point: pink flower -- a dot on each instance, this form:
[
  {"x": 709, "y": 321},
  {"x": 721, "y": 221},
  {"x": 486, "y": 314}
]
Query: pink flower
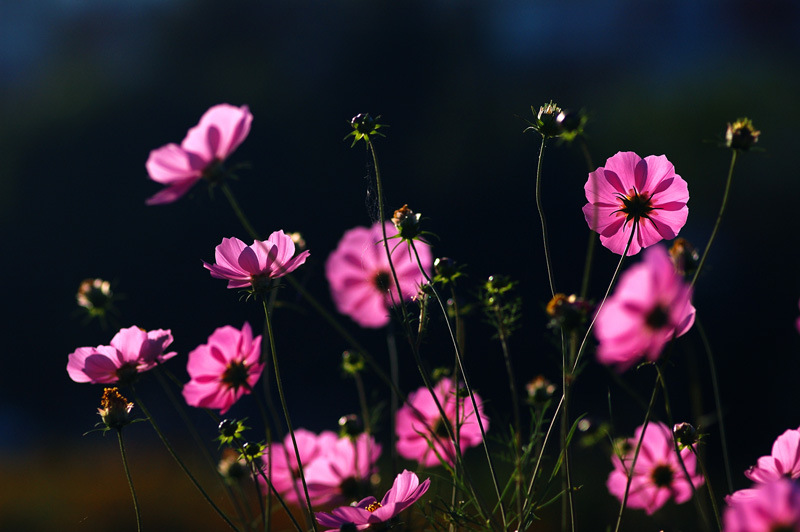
[
  {"x": 132, "y": 351},
  {"x": 649, "y": 306},
  {"x": 658, "y": 475},
  {"x": 421, "y": 433},
  {"x": 770, "y": 507},
  {"x": 361, "y": 281},
  {"x": 645, "y": 196},
  {"x": 255, "y": 265},
  {"x": 224, "y": 369},
  {"x": 221, "y": 130},
  {"x": 283, "y": 471},
  {"x": 784, "y": 461},
  {"x": 405, "y": 491},
  {"x": 343, "y": 469}
]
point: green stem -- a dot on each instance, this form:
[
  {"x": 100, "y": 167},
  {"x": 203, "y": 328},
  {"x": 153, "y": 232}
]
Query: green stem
[
  {"x": 183, "y": 467},
  {"x": 279, "y": 384},
  {"x": 130, "y": 481},
  {"x": 542, "y": 219},
  {"x": 719, "y": 219}
]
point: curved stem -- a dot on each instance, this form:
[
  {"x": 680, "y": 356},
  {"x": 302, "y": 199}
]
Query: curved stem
[
  {"x": 542, "y": 219},
  {"x": 719, "y": 219},
  {"x": 130, "y": 481},
  {"x": 180, "y": 462},
  {"x": 279, "y": 385}
]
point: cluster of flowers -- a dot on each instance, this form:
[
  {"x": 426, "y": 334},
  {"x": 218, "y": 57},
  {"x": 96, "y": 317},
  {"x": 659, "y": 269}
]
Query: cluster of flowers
[{"x": 633, "y": 204}]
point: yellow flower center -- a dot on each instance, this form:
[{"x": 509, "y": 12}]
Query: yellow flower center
[{"x": 372, "y": 507}]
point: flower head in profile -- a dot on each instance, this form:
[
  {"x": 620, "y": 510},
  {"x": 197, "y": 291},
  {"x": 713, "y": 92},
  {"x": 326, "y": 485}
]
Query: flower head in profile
[
  {"x": 206, "y": 146},
  {"x": 770, "y": 507},
  {"x": 783, "y": 462},
  {"x": 421, "y": 434},
  {"x": 132, "y": 351},
  {"x": 224, "y": 369},
  {"x": 256, "y": 264},
  {"x": 658, "y": 475},
  {"x": 405, "y": 491},
  {"x": 650, "y": 305},
  {"x": 628, "y": 196},
  {"x": 361, "y": 280}
]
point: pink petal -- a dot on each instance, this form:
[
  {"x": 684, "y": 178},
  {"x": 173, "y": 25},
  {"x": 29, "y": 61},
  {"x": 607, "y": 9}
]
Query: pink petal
[{"x": 220, "y": 131}]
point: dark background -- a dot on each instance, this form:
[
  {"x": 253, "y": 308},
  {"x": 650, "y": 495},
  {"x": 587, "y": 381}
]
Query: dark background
[{"x": 89, "y": 88}]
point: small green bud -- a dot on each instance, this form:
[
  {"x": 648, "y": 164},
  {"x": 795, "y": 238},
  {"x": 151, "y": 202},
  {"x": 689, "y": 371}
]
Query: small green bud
[
  {"x": 407, "y": 223},
  {"x": 350, "y": 426},
  {"x": 364, "y": 126},
  {"x": 540, "y": 391},
  {"x": 685, "y": 434},
  {"x": 352, "y": 362}
]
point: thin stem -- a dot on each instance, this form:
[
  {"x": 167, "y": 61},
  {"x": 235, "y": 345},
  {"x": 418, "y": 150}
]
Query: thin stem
[
  {"x": 130, "y": 481},
  {"x": 590, "y": 247},
  {"x": 238, "y": 210},
  {"x": 279, "y": 383},
  {"x": 568, "y": 506},
  {"x": 710, "y": 489},
  {"x": 719, "y": 219},
  {"x": 717, "y": 402},
  {"x": 545, "y": 240},
  {"x": 180, "y": 462}
]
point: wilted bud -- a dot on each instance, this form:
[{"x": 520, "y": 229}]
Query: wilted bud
[
  {"x": 407, "y": 223},
  {"x": 363, "y": 127},
  {"x": 540, "y": 391},
  {"x": 350, "y": 426},
  {"x": 568, "y": 312},
  {"x": 684, "y": 257},
  {"x": 96, "y": 297},
  {"x": 741, "y": 135},
  {"x": 685, "y": 434},
  {"x": 231, "y": 468},
  {"x": 352, "y": 362},
  {"x": 114, "y": 409}
]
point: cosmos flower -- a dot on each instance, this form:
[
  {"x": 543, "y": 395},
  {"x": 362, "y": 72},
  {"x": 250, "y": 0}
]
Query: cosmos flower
[
  {"x": 770, "y": 507},
  {"x": 649, "y": 306},
  {"x": 783, "y": 462},
  {"x": 256, "y": 264},
  {"x": 405, "y": 491},
  {"x": 658, "y": 475},
  {"x": 631, "y": 194},
  {"x": 280, "y": 461},
  {"x": 206, "y": 146},
  {"x": 224, "y": 369},
  {"x": 360, "y": 278},
  {"x": 421, "y": 433},
  {"x": 132, "y": 351}
]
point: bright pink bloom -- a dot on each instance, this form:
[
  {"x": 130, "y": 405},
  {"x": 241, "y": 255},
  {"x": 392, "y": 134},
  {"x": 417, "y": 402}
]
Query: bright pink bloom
[
  {"x": 224, "y": 369},
  {"x": 361, "y": 280},
  {"x": 629, "y": 193},
  {"x": 658, "y": 475},
  {"x": 256, "y": 264},
  {"x": 405, "y": 491},
  {"x": 132, "y": 351},
  {"x": 421, "y": 433},
  {"x": 770, "y": 507},
  {"x": 206, "y": 146},
  {"x": 285, "y": 473},
  {"x": 650, "y": 305},
  {"x": 336, "y": 469},
  {"x": 784, "y": 461}
]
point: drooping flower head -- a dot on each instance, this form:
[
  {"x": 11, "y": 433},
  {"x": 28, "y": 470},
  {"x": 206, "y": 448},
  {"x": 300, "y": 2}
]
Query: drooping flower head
[
  {"x": 256, "y": 264},
  {"x": 206, "y": 146},
  {"x": 421, "y": 433},
  {"x": 658, "y": 476},
  {"x": 405, "y": 491},
  {"x": 224, "y": 369},
  {"x": 770, "y": 507},
  {"x": 634, "y": 195},
  {"x": 783, "y": 462},
  {"x": 361, "y": 280},
  {"x": 650, "y": 305},
  {"x": 132, "y": 351}
]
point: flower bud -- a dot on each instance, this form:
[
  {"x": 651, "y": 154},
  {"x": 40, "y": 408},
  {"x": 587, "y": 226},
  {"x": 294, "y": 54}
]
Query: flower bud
[
  {"x": 231, "y": 468},
  {"x": 407, "y": 223},
  {"x": 741, "y": 135},
  {"x": 685, "y": 434},
  {"x": 115, "y": 409},
  {"x": 364, "y": 126},
  {"x": 540, "y": 390},
  {"x": 252, "y": 450},
  {"x": 568, "y": 312},
  {"x": 352, "y": 362},
  {"x": 684, "y": 256},
  {"x": 545, "y": 121},
  {"x": 350, "y": 426}
]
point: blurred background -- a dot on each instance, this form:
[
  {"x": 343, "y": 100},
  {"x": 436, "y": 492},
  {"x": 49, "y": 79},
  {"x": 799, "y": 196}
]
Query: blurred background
[{"x": 90, "y": 87}]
